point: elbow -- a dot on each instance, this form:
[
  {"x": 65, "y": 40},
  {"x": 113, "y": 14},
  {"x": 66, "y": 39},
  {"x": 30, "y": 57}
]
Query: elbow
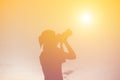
[{"x": 73, "y": 57}]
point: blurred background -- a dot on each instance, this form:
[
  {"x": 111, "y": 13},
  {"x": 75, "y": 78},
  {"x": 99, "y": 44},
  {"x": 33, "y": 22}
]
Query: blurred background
[{"x": 96, "y": 37}]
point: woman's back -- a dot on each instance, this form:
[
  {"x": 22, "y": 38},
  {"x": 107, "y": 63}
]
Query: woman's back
[{"x": 52, "y": 64}]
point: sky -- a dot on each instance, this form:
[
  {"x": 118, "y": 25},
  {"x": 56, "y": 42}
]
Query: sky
[{"x": 96, "y": 37}]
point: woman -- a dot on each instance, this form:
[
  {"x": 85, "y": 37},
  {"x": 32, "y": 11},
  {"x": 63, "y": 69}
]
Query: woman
[{"x": 52, "y": 56}]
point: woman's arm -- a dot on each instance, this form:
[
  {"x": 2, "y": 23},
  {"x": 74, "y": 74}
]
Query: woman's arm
[{"x": 71, "y": 53}]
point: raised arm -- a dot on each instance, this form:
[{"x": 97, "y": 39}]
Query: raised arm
[{"x": 70, "y": 54}]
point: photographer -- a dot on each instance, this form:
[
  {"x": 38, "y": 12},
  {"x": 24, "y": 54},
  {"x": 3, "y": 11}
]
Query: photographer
[{"x": 52, "y": 56}]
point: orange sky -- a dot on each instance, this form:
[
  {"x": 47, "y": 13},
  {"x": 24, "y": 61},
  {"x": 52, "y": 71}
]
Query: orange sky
[{"x": 97, "y": 45}]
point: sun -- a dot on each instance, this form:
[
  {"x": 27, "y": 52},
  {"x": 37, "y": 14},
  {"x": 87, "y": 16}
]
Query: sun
[{"x": 86, "y": 18}]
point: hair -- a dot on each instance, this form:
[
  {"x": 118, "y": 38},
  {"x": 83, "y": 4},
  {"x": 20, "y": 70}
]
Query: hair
[{"x": 46, "y": 37}]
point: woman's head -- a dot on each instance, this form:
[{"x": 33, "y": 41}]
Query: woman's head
[{"x": 48, "y": 38}]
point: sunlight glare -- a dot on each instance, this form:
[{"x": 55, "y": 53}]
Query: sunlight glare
[{"x": 86, "y": 18}]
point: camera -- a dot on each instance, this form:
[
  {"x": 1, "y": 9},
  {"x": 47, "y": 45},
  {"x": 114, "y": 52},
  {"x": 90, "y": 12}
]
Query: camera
[{"x": 63, "y": 37}]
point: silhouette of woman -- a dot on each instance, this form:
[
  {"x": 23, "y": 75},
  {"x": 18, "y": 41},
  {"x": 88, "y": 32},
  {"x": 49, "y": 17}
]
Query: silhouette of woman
[{"x": 52, "y": 56}]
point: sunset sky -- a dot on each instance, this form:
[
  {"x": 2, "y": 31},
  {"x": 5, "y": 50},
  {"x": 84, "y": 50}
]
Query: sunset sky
[{"x": 96, "y": 37}]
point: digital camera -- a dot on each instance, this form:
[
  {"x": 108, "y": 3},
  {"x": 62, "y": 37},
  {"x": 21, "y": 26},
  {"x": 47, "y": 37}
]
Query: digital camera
[{"x": 63, "y": 37}]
